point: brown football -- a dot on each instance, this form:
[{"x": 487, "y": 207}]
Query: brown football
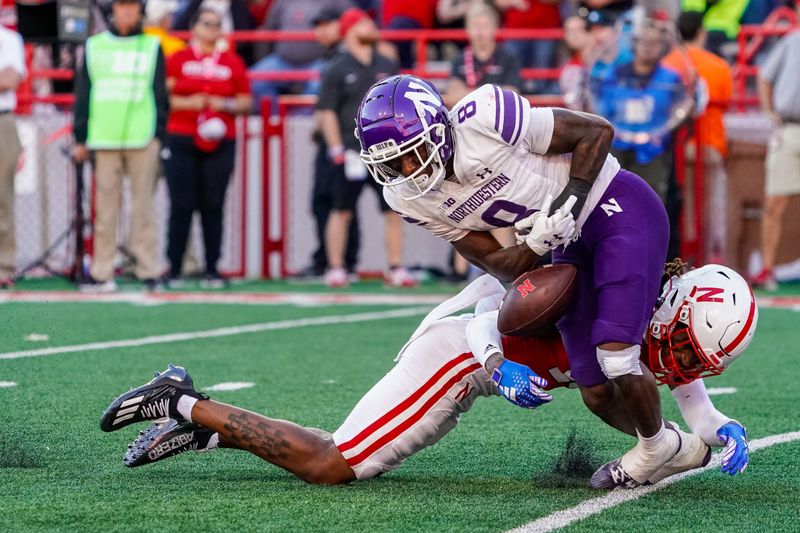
[{"x": 536, "y": 300}]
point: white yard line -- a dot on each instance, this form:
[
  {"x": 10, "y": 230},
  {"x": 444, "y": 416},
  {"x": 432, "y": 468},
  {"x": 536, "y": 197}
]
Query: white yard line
[
  {"x": 595, "y": 506},
  {"x": 218, "y": 332},
  {"x": 229, "y": 386},
  {"x": 713, "y": 391},
  {"x": 7, "y": 384},
  {"x": 224, "y": 298}
]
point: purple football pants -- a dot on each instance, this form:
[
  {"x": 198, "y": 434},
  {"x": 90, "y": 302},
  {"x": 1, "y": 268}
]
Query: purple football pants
[{"x": 620, "y": 260}]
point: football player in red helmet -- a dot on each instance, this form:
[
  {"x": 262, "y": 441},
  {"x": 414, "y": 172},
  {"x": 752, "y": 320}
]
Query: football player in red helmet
[{"x": 446, "y": 365}]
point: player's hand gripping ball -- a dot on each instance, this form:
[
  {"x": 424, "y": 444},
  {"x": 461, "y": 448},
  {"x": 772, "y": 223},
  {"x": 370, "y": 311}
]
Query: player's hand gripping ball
[
  {"x": 536, "y": 301},
  {"x": 520, "y": 385},
  {"x": 543, "y": 232}
]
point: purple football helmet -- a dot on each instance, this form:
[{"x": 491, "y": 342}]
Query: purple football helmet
[{"x": 399, "y": 115}]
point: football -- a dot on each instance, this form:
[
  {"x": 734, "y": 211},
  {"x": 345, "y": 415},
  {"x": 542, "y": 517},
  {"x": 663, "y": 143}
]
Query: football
[{"x": 536, "y": 300}]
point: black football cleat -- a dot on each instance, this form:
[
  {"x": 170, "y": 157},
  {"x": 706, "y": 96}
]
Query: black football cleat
[
  {"x": 156, "y": 399},
  {"x": 166, "y": 439},
  {"x": 611, "y": 476}
]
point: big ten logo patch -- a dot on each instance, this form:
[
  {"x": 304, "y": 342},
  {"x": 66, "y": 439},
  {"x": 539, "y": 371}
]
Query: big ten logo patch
[
  {"x": 526, "y": 287},
  {"x": 447, "y": 204}
]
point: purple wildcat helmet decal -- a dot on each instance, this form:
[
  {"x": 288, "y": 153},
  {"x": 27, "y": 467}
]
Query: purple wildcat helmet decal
[{"x": 400, "y": 115}]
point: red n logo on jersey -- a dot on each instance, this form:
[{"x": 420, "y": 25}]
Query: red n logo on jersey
[
  {"x": 526, "y": 288},
  {"x": 708, "y": 294}
]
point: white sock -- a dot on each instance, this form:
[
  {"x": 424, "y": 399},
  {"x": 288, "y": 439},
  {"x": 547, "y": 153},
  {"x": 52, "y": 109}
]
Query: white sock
[
  {"x": 650, "y": 454},
  {"x": 185, "y": 406}
]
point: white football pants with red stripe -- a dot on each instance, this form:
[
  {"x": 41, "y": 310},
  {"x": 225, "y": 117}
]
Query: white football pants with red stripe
[{"x": 417, "y": 403}]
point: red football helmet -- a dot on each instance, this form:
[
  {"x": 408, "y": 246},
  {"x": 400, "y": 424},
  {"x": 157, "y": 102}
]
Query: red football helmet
[{"x": 704, "y": 319}]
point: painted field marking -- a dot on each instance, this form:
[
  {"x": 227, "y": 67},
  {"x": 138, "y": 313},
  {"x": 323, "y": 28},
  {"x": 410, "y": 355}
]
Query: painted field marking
[
  {"x": 229, "y": 386},
  {"x": 219, "y": 332},
  {"x": 721, "y": 390},
  {"x": 225, "y": 298},
  {"x": 7, "y": 384},
  {"x": 595, "y": 506}
]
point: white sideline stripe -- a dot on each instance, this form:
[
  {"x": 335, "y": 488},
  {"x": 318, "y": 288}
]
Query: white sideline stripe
[
  {"x": 229, "y": 386},
  {"x": 218, "y": 332},
  {"x": 7, "y": 384},
  {"x": 595, "y": 506},
  {"x": 721, "y": 390},
  {"x": 222, "y": 298}
]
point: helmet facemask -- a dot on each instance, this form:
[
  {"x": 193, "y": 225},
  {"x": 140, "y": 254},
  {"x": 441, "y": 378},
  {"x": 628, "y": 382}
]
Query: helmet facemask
[
  {"x": 383, "y": 160},
  {"x": 675, "y": 356}
]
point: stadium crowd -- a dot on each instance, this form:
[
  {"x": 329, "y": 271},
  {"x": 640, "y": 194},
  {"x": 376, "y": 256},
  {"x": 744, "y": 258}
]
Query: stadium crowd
[{"x": 614, "y": 56}]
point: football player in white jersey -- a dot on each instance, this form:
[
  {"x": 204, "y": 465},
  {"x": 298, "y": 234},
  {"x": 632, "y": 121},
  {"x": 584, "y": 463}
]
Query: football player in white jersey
[
  {"x": 494, "y": 161},
  {"x": 442, "y": 369}
]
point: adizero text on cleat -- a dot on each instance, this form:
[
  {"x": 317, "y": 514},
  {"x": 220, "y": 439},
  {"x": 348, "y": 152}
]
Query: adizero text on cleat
[
  {"x": 166, "y": 439},
  {"x": 156, "y": 399}
]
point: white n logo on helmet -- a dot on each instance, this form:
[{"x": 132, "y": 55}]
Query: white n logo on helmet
[{"x": 424, "y": 101}]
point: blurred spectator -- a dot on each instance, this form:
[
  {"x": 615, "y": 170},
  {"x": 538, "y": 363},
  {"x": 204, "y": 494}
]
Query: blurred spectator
[
  {"x": 757, "y": 11},
  {"x": 12, "y": 72},
  {"x": 407, "y": 15},
  {"x": 326, "y": 29},
  {"x": 258, "y": 10},
  {"x": 721, "y": 20},
  {"x": 208, "y": 88},
  {"x": 536, "y": 53},
  {"x": 345, "y": 80},
  {"x": 483, "y": 61},
  {"x": 610, "y": 8},
  {"x": 778, "y": 87},
  {"x": 717, "y": 80},
  {"x": 293, "y": 15},
  {"x": 603, "y": 51},
  {"x": 124, "y": 125},
  {"x": 638, "y": 99},
  {"x": 235, "y": 15},
  {"x": 573, "y": 78},
  {"x": 158, "y": 21},
  {"x": 451, "y": 13}
]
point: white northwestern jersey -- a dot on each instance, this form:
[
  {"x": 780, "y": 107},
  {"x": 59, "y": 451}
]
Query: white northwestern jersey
[{"x": 503, "y": 174}]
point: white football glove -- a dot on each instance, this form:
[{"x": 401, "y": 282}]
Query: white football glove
[{"x": 543, "y": 232}]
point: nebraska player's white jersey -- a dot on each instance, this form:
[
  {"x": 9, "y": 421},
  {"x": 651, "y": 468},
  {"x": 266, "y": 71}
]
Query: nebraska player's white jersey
[{"x": 503, "y": 174}]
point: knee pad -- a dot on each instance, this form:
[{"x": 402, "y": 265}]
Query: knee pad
[{"x": 620, "y": 363}]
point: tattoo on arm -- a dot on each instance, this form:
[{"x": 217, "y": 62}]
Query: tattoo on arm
[{"x": 254, "y": 434}]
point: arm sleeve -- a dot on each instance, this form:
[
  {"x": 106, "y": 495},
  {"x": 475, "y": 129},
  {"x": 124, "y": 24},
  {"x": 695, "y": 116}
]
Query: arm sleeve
[
  {"x": 698, "y": 411},
  {"x": 161, "y": 95},
  {"x": 80, "y": 123},
  {"x": 483, "y": 338}
]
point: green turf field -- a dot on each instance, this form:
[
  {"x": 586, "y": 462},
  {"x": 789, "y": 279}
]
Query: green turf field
[{"x": 503, "y": 467}]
